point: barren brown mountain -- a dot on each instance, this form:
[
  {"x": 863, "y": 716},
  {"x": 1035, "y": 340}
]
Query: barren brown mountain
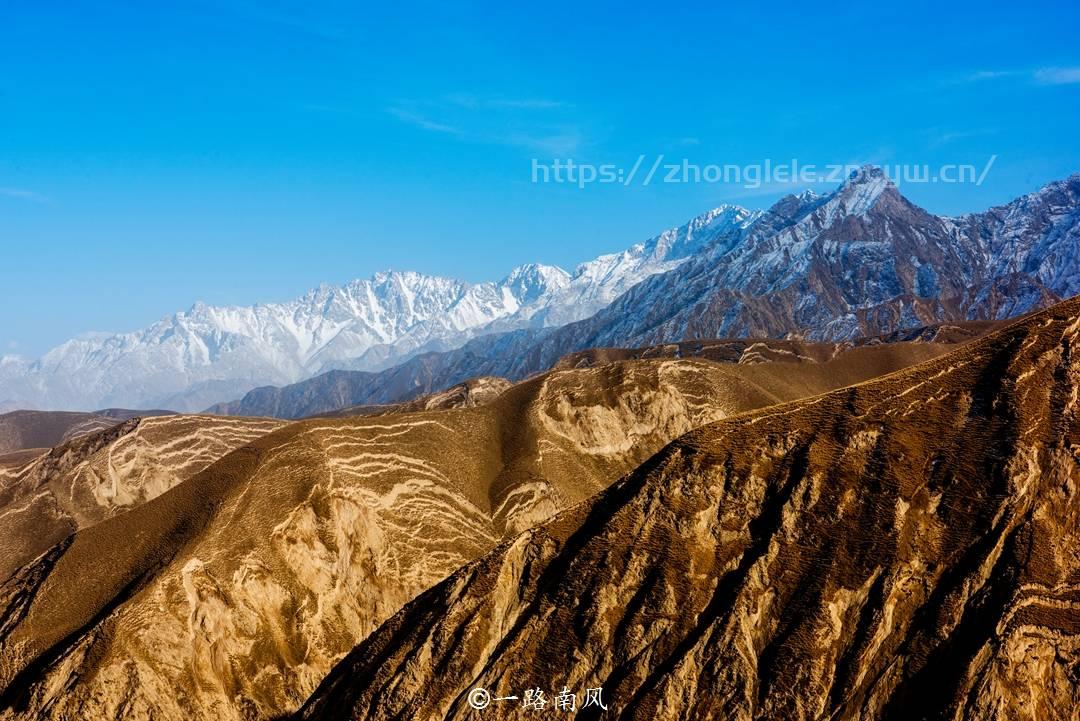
[
  {"x": 907, "y": 548},
  {"x": 231, "y": 595},
  {"x": 473, "y": 392},
  {"x": 755, "y": 350},
  {"x": 45, "y": 496},
  {"x": 20, "y": 430}
]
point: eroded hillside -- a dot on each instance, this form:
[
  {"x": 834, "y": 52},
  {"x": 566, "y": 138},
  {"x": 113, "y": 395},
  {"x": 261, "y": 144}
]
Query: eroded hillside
[
  {"x": 46, "y": 496},
  {"x": 233, "y": 594},
  {"x": 902, "y": 549}
]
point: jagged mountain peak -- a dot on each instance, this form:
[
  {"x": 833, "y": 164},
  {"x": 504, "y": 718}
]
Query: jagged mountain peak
[
  {"x": 531, "y": 281},
  {"x": 537, "y": 273},
  {"x": 861, "y": 190},
  {"x": 866, "y": 173},
  {"x": 730, "y": 221}
]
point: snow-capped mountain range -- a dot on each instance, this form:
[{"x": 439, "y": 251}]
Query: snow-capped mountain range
[
  {"x": 859, "y": 261},
  {"x": 193, "y": 358}
]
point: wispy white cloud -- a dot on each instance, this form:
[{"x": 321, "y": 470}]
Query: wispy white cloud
[
  {"x": 558, "y": 143},
  {"x": 533, "y": 123},
  {"x": 421, "y": 121},
  {"x": 1057, "y": 76},
  {"x": 981, "y": 75},
  {"x": 22, "y": 194},
  {"x": 465, "y": 100},
  {"x": 1038, "y": 76},
  {"x": 946, "y": 137},
  {"x": 297, "y": 20}
]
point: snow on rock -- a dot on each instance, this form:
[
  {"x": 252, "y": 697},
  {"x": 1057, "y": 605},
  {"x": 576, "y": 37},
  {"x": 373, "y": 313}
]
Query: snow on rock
[{"x": 190, "y": 359}]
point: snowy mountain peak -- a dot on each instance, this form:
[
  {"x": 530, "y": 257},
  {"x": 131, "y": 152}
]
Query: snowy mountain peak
[
  {"x": 719, "y": 226},
  {"x": 867, "y": 173},
  {"x": 531, "y": 281},
  {"x": 860, "y": 192}
]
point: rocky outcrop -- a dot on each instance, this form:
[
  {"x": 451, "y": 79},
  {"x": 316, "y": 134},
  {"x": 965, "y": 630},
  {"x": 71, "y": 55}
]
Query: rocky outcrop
[{"x": 900, "y": 549}]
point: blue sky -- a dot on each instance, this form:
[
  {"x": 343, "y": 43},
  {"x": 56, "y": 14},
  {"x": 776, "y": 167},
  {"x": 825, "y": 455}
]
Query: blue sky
[{"x": 153, "y": 154}]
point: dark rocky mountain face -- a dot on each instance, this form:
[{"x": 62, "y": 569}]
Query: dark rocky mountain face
[
  {"x": 862, "y": 261},
  {"x": 901, "y": 549}
]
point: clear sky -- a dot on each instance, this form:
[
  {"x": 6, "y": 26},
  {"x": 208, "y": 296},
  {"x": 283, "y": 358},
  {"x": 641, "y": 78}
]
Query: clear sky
[{"x": 154, "y": 154}]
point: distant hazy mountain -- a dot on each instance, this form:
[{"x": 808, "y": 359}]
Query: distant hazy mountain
[
  {"x": 190, "y": 359},
  {"x": 860, "y": 261}
]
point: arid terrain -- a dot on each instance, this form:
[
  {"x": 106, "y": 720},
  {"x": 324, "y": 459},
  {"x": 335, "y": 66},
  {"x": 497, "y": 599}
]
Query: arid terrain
[
  {"x": 905, "y": 548},
  {"x": 21, "y": 429},
  {"x": 253, "y": 555},
  {"x": 534, "y": 361},
  {"x": 46, "y": 495}
]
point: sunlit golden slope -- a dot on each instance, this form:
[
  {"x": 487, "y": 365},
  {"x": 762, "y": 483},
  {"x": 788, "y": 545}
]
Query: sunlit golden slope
[
  {"x": 46, "y": 496},
  {"x": 231, "y": 595},
  {"x": 907, "y": 548}
]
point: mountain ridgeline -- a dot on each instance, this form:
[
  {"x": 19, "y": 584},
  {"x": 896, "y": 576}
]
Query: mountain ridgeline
[
  {"x": 192, "y": 359},
  {"x": 861, "y": 261}
]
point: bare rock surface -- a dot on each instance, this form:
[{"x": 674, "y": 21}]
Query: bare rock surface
[
  {"x": 232, "y": 594},
  {"x": 905, "y": 548}
]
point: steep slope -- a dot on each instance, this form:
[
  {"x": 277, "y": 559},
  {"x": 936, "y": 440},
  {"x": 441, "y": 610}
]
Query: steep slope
[
  {"x": 901, "y": 549},
  {"x": 191, "y": 359},
  {"x": 46, "y": 496},
  {"x": 232, "y": 595}
]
